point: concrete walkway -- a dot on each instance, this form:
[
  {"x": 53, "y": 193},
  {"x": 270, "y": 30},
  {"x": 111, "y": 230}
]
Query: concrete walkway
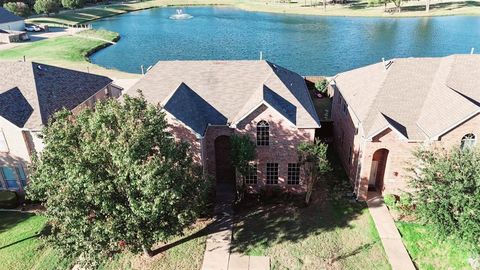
[
  {"x": 217, "y": 252},
  {"x": 392, "y": 241}
]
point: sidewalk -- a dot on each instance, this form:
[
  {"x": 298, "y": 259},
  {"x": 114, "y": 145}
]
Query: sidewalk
[
  {"x": 392, "y": 241},
  {"x": 217, "y": 252}
]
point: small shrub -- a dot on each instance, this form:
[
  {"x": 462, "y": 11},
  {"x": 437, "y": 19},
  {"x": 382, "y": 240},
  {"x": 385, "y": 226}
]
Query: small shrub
[
  {"x": 321, "y": 86},
  {"x": 8, "y": 199},
  {"x": 390, "y": 200}
]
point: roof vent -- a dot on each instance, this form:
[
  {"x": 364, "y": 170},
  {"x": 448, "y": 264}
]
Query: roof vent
[
  {"x": 41, "y": 68},
  {"x": 386, "y": 64}
]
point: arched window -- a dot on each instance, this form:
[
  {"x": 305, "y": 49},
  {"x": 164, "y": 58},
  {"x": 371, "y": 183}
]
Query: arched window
[
  {"x": 468, "y": 141},
  {"x": 263, "y": 133}
]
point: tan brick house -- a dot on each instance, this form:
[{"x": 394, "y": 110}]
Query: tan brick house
[
  {"x": 29, "y": 94},
  {"x": 208, "y": 101},
  {"x": 384, "y": 111}
]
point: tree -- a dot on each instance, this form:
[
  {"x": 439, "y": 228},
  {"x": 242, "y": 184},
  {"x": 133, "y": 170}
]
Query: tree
[
  {"x": 73, "y": 4},
  {"x": 242, "y": 153},
  {"x": 447, "y": 191},
  {"x": 313, "y": 158},
  {"x": 47, "y": 6},
  {"x": 18, "y": 8},
  {"x": 113, "y": 179}
]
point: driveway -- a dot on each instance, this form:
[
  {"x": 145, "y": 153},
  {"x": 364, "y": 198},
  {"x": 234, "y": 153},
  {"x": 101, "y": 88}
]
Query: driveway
[{"x": 36, "y": 36}]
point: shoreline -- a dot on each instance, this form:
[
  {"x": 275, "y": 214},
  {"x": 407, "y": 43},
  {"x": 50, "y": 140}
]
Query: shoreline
[{"x": 74, "y": 17}]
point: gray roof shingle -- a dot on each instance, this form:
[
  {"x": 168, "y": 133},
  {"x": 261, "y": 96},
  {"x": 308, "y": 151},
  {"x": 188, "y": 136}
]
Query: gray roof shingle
[
  {"x": 232, "y": 88},
  {"x": 419, "y": 97},
  {"x": 31, "y": 92},
  {"x": 6, "y": 16}
]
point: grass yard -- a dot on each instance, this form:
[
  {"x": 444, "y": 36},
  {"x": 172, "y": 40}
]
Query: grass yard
[
  {"x": 428, "y": 251},
  {"x": 69, "y": 51},
  {"x": 74, "y": 48},
  {"x": 20, "y": 248},
  {"x": 331, "y": 233}
]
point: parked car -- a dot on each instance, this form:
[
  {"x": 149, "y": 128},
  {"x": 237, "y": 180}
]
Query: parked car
[{"x": 32, "y": 28}]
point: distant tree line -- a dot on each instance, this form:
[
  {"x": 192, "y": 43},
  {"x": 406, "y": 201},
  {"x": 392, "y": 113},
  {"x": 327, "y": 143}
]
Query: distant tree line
[{"x": 25, "y": 8}]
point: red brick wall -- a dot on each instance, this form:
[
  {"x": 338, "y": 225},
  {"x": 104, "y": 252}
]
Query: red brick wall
[
  {"x": 400, "y": 150},
  {"x": 284, "y": 139}
]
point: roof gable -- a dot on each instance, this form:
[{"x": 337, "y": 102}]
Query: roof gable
[
  {"x": 232, "y": 88},
  {"x": 46, "y": 89},
  {"x": 15, "y": 107},
  {"x": 6, "y": 16},
  {"x": 192, "y": 110},
  {"x": 418, "y": 97}
]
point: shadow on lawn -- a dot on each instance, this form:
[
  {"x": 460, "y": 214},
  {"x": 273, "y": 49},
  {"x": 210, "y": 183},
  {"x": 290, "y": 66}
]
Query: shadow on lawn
[
  {"x": 273, "y": 223},
  {"x": 11, "y": 219}
]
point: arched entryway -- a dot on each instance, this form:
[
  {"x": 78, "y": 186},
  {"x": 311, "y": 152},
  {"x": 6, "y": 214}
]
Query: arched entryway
[
  {"x": 224, "y": 171},
  {"x": 377, "y": 171}
]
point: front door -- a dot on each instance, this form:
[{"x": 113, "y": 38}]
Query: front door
[
  {"x": 225, "y": 173},
  {"x": 373, "y": 175}
]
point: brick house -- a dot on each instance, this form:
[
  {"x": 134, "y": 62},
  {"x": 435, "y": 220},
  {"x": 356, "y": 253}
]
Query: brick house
[
  {"x": 384, "y": 111},
  {"x": 29, "y": 94},
  {"x": 208, "y": 101}
]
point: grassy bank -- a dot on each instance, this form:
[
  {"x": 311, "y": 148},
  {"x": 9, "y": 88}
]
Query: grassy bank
[
  {"x": 429, "y": 252},
  {"x": 68, "y": 51},
  {"x": 21, "y": 248},
  {"x": 353, "y": 8}
]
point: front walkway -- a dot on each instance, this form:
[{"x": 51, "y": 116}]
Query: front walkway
[
  {"x": 217, "y": 252},
  {"x": 392, "y": 241}
]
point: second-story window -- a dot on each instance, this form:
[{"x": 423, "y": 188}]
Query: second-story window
[
  {"x": 263, "y": 133},
  {"x": 251, "y": 178}
]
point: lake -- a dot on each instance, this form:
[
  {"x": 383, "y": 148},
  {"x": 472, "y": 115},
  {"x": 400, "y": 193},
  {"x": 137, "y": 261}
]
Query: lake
[{"x": 309, "y": 45}]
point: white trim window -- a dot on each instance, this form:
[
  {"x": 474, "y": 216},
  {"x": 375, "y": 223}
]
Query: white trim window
[
  {"x": 3, "y": 142},
  {"x": 8, "y": 174},
  {"x": 468, "y": 141}
]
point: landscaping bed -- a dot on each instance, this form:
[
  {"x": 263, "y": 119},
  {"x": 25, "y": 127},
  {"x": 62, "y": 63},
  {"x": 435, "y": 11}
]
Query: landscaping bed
[{"x": 21, "y": 248}]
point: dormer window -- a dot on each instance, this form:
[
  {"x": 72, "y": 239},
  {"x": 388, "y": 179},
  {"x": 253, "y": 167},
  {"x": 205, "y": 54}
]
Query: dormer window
[
  {"x": 468, "y": 141},
  {"x": 263, "y": 133}
]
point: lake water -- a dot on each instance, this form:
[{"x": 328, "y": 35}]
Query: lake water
[{"x": 309, "y": 45}]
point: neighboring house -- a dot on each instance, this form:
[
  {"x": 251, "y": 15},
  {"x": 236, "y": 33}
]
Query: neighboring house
[
  {"x": 29, "y": 94},
  {"x": 206, "y": 102},
  {"x": 384, "y": 111},
  {"x": 10, "y": 21}
]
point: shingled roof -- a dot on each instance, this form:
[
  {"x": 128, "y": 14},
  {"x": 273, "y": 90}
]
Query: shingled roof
[
  {"x": 6, "y": 16},
  {"x": 31, "y": 92},
  {"x": 199, "y": 93},
  {"x": 421, "y": 98}
]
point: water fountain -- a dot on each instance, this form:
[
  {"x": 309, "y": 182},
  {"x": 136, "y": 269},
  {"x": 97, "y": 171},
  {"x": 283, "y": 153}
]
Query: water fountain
[{"x": 180, "y": 15}]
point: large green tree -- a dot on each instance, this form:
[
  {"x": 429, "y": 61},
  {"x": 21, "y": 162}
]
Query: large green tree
[
  {"x": 73, "y": 4},
  {"x": 447, "y": 191},
  {"x": 47, "y": 6},
  {"x": 113, "y": 178},
  {"x": 18, "y": 8}
]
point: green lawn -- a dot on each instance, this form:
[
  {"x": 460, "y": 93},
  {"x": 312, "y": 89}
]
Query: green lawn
[
  {"x": 428, "y": 251},
  {"x": 69, "y": 51},
  {"x": 332, "y": 233},
  {"x": 20, "y": 248},
  {"x": 61, "y": 49}
]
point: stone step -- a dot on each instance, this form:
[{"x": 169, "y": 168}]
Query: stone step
[
  {"x": 259, "y": 263},
  {"x": 238, "y": 262}
]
